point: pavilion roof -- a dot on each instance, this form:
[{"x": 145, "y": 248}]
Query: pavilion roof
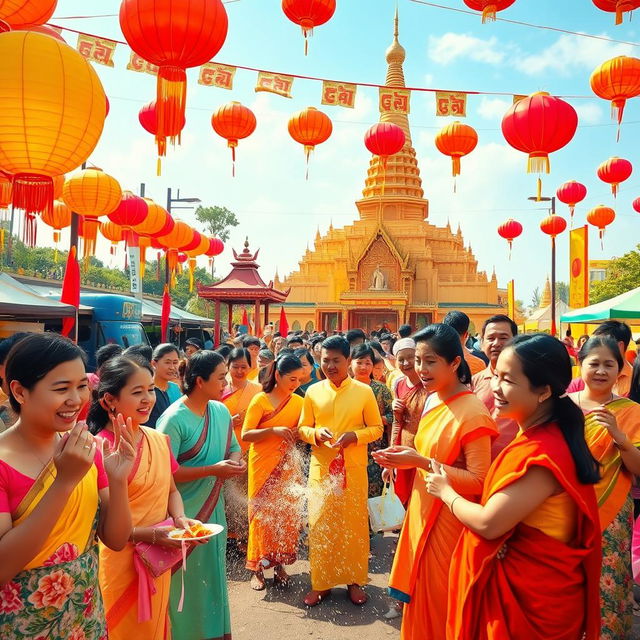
[{"x": 243, "y": 284}]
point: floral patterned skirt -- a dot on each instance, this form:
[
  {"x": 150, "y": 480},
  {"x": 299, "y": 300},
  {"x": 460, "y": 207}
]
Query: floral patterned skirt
[
  {"x": 55, "y": 601},
  {"x": 374, "y": 470},
  {"x": 616, "y": 582}
]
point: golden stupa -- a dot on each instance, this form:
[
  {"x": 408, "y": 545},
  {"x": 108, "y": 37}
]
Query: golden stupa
[{"x": 390, "y": 266}]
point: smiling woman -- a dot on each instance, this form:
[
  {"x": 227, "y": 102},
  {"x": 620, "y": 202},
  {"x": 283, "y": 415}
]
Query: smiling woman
[{"x": 49, "y": 496}]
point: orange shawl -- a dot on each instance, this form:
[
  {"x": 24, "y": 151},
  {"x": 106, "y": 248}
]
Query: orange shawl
[{"x": 538, "y": 588}]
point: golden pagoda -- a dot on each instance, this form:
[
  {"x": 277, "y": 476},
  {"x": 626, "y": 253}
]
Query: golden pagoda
[{"x": 390, "y": 266}]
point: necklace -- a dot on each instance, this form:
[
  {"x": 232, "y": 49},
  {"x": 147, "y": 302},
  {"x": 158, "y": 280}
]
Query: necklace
[{"x": 580, "y": 399}]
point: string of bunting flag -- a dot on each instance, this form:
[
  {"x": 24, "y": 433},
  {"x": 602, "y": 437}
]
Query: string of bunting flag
[{"x": 336, "y": 93}]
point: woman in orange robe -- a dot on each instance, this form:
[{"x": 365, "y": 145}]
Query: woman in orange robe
[
  {"x": 612, "y": 431},
  {"x": 456, "y": 430},
  {"x": 236, "y": 398},
  {"x": 527, "y": 566},
  {"x": 275, "y": 478}
]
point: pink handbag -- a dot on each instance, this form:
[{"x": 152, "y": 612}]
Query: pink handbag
[{"x": 156, "y": 558}]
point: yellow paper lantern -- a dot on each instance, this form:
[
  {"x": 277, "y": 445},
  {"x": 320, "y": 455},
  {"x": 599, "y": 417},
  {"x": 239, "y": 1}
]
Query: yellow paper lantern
[
  {"x": 52, "y": 110},
  {"x": 200, "y": 250}
]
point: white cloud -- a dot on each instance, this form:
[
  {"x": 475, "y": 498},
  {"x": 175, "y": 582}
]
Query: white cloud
[
  {"x": 493, "y": 108},
  {"x": 449, "y": 47},
  {"x": 589, "y": 113}
]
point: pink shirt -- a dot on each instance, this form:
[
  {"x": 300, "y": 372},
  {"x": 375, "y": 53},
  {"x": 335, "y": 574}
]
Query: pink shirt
[{"x": 14, "y": 485}]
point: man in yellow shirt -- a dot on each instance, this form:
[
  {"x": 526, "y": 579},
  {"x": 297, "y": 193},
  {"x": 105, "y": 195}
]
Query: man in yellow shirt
[{"x": 340, "y": 417}]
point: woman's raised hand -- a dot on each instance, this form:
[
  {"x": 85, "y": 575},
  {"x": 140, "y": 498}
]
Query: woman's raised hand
[{"x": 118, "y": 460}]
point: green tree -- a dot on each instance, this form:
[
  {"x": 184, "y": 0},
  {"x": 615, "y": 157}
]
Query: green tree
[
  {"x": 535, "y": 298},
  {"x": 623, "y": 274},
  {"x": 562, "y": 292},
  {"x": 217, "y": 221}
]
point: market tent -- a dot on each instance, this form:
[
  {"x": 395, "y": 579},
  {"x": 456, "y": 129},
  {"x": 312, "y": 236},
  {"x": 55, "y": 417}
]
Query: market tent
[
  {"x": 626, "y": 306},
  {"x": 540, "y": 319},
  {"x": 151, "y": 310},
  {"x": 20, "y": 301}
]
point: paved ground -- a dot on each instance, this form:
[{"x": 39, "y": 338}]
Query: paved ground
[{"x": 280, "y": 614}]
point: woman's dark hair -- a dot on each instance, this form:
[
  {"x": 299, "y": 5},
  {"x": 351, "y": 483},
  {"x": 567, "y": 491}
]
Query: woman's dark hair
[
  {"x": 445, "y": 341},
  {"x": 224, "y": 350},
  {"x": 201, "y": 365},
  {"x": 114, "y": 376},
  {"x": 239, "y": 354},
  {"x": 139, "y": 350},
  {"x": 250, "y": 341},
  {"x": 164, "y": 349},
  {"x": 32, "y": 357},
  {"x": 283, "y": 365},
  {"x": 303, "y": 354},
  {"x": 545, "y": 361},
  {"x": 194, "y": 342},
  {"x": 602, "y": 341},
  {"x": 363, "y": 350},
  {"x": 377, "y": 348},
  {"x": 634, "y": 392},
  {"x": 107, "y": 352}
]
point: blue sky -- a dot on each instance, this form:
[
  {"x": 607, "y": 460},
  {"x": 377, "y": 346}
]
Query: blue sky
[{"x": 280, "y": 211}]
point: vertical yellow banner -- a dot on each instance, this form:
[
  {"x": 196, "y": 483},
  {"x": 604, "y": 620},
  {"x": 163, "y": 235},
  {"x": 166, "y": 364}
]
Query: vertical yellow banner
[
  {"x": 579, "y": 268},
  {"x": 511, "y": 299}
]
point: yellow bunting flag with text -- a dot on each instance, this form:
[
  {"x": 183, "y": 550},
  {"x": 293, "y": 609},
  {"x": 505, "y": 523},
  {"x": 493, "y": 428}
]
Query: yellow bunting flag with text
[
  {"x": 276, "y": 83},
  {"x": 97, "y": 50},
  {"x": 394, "y": 100},
  {"x": 339, "y": 94},
  {"x": 450, "y": 103},
  {"x": 136, "y": 63},
  {"x": 217, "y": 75}
]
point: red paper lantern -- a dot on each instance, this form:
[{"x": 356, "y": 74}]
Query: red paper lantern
[
  {"x": 489, "y": 8},
  {"x": 24, "y": 13},
  {"x": 636, "y": 205},
  {"x": 131, "y": 211},
  {"x": 510, "y": 230},
  {"x": 553, "y": 225},
  {"x": 601, "y": 217},
  {"x": 619, "y": 7},
  {"x": 174, "y": 35},
  {"x": 308, "y": 14},
  {"x": 456, "y": 140},
  {"x": 234, "y": 122},
  {"x": 384, "y": 139},
  {"x": 310, "y": 127},
  {"x": 614, "y": 171},
  {"x": 539, "y": 125},
  {"x": 216, "y": 247},
  {"x": 182, "y": 258},
  {"x": 571, "y": 193},
  {"x": 148, "y": 118}
]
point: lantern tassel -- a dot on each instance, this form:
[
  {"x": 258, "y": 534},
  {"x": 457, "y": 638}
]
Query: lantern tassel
[
  {"x": 619, "y": 13},
  {"x": 572, "y": 208},
  {"x": 614, "y": 189},
  {"x": 539, "y": 190},
  {"x": 489, "y": 13},
  {"x": 617, "y": 112},
  {"x": 538, "y": 164},
  {"x": 33, "y": 193},
  {"x": 232, "y": 144},
  {"x": 510, "y": 247},
  {"x": 307, "y": 151},
  {"x": 602, "y": 239},
  {"x": 171, "y": 99},
  {"x": 192, "y": 266},
  {"x": 159, "y": 167},
  {"x": 456, "y": 165}
]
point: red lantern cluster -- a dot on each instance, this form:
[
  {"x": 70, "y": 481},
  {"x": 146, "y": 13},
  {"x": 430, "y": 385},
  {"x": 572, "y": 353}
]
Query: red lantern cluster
[
  {"x": 571, "y": 193},
  {"x": 614, "y": 171}
]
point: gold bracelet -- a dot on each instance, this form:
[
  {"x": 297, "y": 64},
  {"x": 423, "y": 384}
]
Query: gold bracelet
[
  {"x": 452, "y": 503},
  {"x": 133, "y": 535},
  {"x": 153, "y": 536}
]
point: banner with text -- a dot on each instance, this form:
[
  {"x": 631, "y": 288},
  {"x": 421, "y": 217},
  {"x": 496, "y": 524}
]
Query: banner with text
[
  {"x": 276, "y": 83},
  {"x": 451, "y": 104},
  {"x": 217, "y": 75},
  {"x": 97, "y": 50},
  {"x": 579, "y": 268},
  {"x": 339, "y": 94}
]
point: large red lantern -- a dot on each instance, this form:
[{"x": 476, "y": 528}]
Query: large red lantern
[
  {"x": 174, "y": 35},
  {"x": 619, "y": 7},
  {"x": 456, "y": 140},
  {"x": 510, "y": 230},
  {"x": 24, "y": 13},
  {"x": 308, "y": 14},
  {"x": 571, "y": 193},
  {"x": 539, "y": 125},
  {"x": 384, "y": 139},
  {"x": 489, "y": 8},
  {"x": 614, "y": 171},
  {"x": 617, "y": 80},
  {"x": 601, "y": 217},
  {"x": 310, "y": 127},
  {"x": 131, "y": 212},
  {"x": 233, "y": 122},
  {"x": 553, "y": 225}
]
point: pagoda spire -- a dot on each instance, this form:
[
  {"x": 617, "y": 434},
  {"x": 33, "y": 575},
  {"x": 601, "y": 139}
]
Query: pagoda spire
[{"x": 402, "y": 175}]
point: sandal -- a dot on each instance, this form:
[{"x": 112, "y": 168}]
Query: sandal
[
  {"x": 280, "y": 578},
  {"x": 258, "y": 582},
  {"x": 357, "y": 594},
  {"x": 314, "y": 598}
]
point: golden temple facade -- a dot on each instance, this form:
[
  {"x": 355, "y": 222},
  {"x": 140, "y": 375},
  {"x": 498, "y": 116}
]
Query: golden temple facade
[{"x": 390, "y": 266}]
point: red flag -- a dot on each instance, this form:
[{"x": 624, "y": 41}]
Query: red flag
[
  {"x": 284, "y": 325},
  {"x": 166, "y": 312},
  {"x": 245, "y": 318},
  {"x": 70, "y": 290}
]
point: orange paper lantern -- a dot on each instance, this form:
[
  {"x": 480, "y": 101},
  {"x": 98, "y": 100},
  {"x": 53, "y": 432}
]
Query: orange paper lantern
[
  {"x": 309, "y": 14},
  {"x": 456, "y": 140},
  {"x": 58, "y": 217},
  {"x": 174, "y": 35},
  {"x": 6, "y": 190},
  {"x": 601, "y": 217},
  {"x": 614, "y": 171},
  {"x": 553, "y": 225},
  {"x": 23, "y": 13},
  {"x": 310, "y": 127},
  {"x": 158, "y": 221},
  {"x": 200, "y": 250},
  {"x": 52, "y": 109},
  {"x": 619, "y": 7},
  {"x": 144, "y": 242},
  {"x": 489, "y": 8},
  {"x": 112, "y": 232},
  {"x": 181, "y": 236},
  {"x": 234, "y": 122},
  {"x": 617, "y": 80}
]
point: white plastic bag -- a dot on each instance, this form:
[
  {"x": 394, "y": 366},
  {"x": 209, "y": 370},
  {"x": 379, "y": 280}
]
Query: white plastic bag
[{"x": 386, "y": 512}]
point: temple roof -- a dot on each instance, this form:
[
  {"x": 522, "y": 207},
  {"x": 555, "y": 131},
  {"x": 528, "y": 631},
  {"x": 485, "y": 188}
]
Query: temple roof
[{"x": 243, "y": 284}]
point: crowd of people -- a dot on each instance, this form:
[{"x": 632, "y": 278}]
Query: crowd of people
[{"x": 515, "y": 458}]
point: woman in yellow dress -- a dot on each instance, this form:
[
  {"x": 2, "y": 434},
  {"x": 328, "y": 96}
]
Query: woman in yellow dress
[
  {"x": 275, "y": 479},
  {"x": 236, "y": 398}
]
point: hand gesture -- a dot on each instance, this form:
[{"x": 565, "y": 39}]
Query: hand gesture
[
  {"x": 229, "y": 468},
  {"x": 162, "y": 537},
  {"x": 398, "y": 457},
  {"x": 437, "y": 482},
  {"x": 398, "y": 407},
  {"x": 288, "y": 435},
  {"x": 237, "y": 420},
  {"x": 118, "y": 460},
  {"x": 74, "y": 454},
  {"x": 323, "y": 435},
  {"x": 606, "y": 419},
  {"x": 388, "y": 475},
  {"x": 345, "y": 440}
]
